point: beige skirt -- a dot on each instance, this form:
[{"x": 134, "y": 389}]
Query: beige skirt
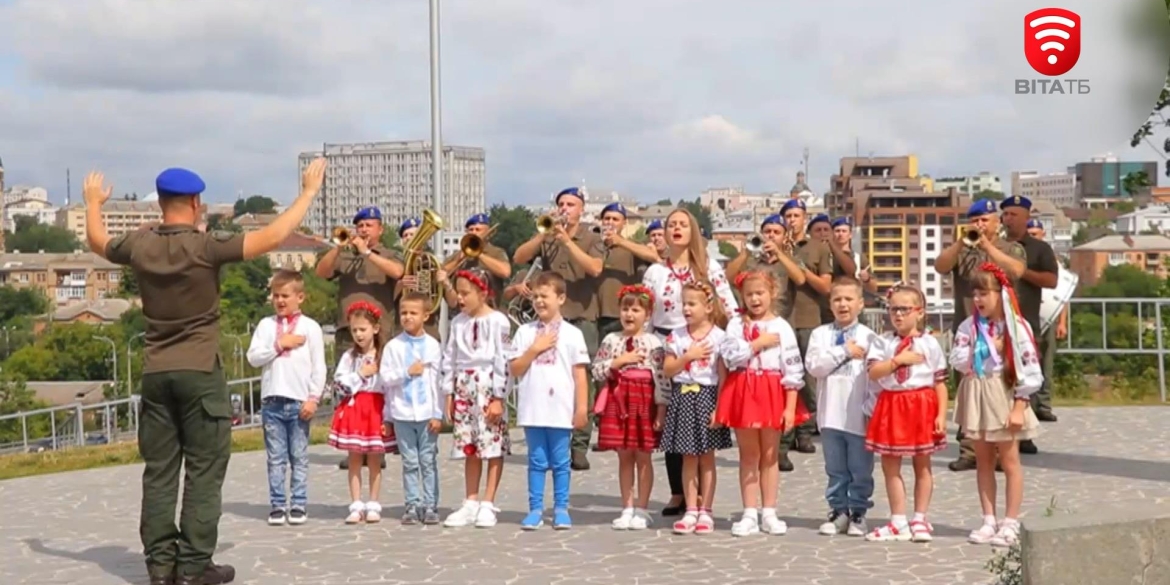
[{"x": 982, "y": 408}]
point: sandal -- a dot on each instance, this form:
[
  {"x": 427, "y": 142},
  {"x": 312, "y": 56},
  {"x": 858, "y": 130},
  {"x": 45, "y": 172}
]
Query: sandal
[
  {"x": 706, "y": 524},
  {"x": 1008, "y": 534},
  {"x": 921, "y": 531},
  {"x": 356, "y": 513},
  {"x": 686, "y": 525},
  {"x": 373, "y": 513},
  {"x": 888, "y": 533}
]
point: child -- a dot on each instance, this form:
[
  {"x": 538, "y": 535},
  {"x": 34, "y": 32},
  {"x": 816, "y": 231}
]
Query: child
[
  {"x": 548, "y": 359},
  {"x": 291, "y": 350},
  {"x": 760, "y": 400},
  {"x": 476, "y": 372},
  {"x": 693, "y": 362},
  {"x": 410, "y": 375},
  {"x": 357, "y": 423},
  {"x": 836, "y": 358},
  {"x": 909, "y": 419},
  {"x": 628, "y": 370},
  {"x": 996, "y": 354}
]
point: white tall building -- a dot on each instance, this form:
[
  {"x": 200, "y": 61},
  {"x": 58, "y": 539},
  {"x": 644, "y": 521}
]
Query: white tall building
[
  {"x": 396, "y": 177},
  {"x": 1059, "y": 188},
  {"x": 970, "y": 185},
  {"x": 27, "y": 201}
]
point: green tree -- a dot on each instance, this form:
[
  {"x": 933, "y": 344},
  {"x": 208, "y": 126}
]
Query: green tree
[
  {"x": 640, "y": 235},
  {"x": 128, "y": 284},
  {"x": 701, "y": 213},
  {"x": 1152, "y": 27},
  {"x": 989, "y": 194},
  {"x": 243, "y": 294},
  {"x": 728, "y": 249},
  {"x": 255, "y": 204},
  {"x": 667, "y": 202},
  {"x": 65, "y": 352},
  {"x": 131, "y": 323},
  {"x": 390, "y": 239},
  {"x": 20, "y": 302},
  {"x": 33, "y": 236},
  {"x": 221, "y": 222},
  {"x": 1135, "y": 184},
  {"x": 16, "y": 397},
  {"x": 515, "y": 225},
  {"x": 320, "y": 298}
]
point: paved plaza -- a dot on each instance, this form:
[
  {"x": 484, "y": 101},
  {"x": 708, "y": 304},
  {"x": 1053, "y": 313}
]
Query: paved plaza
[{"x": 82, "y": 528}]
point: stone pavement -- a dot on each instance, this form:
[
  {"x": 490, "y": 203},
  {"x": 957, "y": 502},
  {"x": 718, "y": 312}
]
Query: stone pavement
[{"x": 81, "y": 528}]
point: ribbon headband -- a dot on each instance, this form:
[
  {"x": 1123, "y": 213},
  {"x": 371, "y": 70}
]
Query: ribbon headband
[
  {"x": 701, "y": 287},
  {"x": 476, "y": 277},
  {"x": 743, "y": 277},
  {"x": 901, "y": 285},
  {"x": 998, "y": 273},
  {"x": 366, "y": 306}
]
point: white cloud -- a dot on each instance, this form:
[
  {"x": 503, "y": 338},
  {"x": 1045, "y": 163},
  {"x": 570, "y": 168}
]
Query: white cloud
[{"x": 656, "y": 98}]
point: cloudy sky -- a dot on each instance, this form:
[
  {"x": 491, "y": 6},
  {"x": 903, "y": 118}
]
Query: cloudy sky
[{"x": 654, "y": 98}]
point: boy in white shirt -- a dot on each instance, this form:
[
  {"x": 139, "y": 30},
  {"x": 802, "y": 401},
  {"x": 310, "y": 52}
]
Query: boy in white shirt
[
  {"x": 410, "y": 375},
  {"x": 290, "y": 348},
  {"x": 836, "y": 358},
  {"x": 548, "y": 357}
]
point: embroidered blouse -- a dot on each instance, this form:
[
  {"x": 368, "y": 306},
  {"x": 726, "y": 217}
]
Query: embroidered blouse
[
  {"x": 667, "y": 282},
  {"x": 704, "y": 372},
  {"x": 653, "y": 354},
  {"x": 925, "y": 375},
  {"x": 783, "y": 358},
  {"x": 478, "y": 343},
  {"x": 1028, "y": 373}
]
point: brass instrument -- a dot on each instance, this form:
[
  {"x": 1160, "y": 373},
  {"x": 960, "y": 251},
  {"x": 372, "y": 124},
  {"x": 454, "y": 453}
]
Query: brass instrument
[
  {"x": 971, "y": 237},
  {"x": 755, "y": 245},
  {"x": 341, "y": 236},
  {"x": 546, "y": 223},
  {"x": 423, "y": 265},
  {"x": 520, "y": 309},
  {"x": 471, "y": 245}
]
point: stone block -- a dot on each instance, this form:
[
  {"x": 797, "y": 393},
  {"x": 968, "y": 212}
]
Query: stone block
[{"x": 1098, "y": 547}]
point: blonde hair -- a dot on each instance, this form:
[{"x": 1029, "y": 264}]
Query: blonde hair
[
  {"x": 718, "y": 315},
  {"x": 697, "y": 249}
]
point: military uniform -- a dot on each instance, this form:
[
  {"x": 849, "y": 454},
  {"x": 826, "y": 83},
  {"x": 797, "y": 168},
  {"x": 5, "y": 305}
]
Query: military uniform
[
  {"x": 359, "y": 280},
  {"x": 185, "y": 421},
  {"x": 621, "y": 268},
  {"x": 805, "y": 317}
]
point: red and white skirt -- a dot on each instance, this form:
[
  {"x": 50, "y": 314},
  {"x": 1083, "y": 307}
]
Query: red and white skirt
[
  {"x": 903, "y": 424},
  {"x": 357, "y": 425},
  {"x": 628, "y": 419},
  {"x": 754, "y": 399}
]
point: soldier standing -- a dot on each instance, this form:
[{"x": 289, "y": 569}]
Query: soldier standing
[
  {"x": 186, "y": 411},
  {"x": 625, "y": 261},
  {"x": 1042, "y": 400}
]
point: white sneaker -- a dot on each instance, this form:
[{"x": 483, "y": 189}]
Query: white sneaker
[
  {"x": 857, "y": 526},
  {"x": 1008, "y": 534},
  {"x": 982, "y": 535},
  {"x": 837, "y": 523},
  {"x": 373, "y": 512},
  {"x": 464, "y": 516},
  {"x": 641, "y": 520},
  {"x": 771, "y": 524},
  {"x": 623, "y": 522},
  {"x": 747, "y": 526},
  {"x": 356, "y": 513},
  {"x": 486, "y": 516}
]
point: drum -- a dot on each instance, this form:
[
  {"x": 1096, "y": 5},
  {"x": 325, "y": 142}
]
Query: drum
[{"x": 1053, "y": 300}]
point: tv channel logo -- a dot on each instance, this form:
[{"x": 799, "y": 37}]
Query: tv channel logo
[{"x": 1052, "y": 46}]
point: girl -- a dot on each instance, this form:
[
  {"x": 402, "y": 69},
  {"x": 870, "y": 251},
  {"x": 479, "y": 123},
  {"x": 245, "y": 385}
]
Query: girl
[
  {"x": 996, "y": 354},
  {"x": 475, "y": 368},
  {"x": 628, "y": 370},
  {"x": 357, "y": 423},
  {"x": 688, "y": 422},
  {"x": 759, "y": 400},
  {"x": 685, "y": 260},
  {"x": 909, "y": 419}
]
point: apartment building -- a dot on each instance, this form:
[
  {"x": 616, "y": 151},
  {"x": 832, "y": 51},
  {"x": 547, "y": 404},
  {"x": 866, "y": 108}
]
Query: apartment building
[
  {"x": 63, "y": 278},
  {"x": 1148, "y": 253},
  {"x": 1101, "y": 180},
  {"x": 1058, "y": 188},
  {"x": 396, "y": 177},
  {"x": 971, "y": 184},
  {"x": 859, "y": 175},
  {"x": 120, "y": 216},
  {"x": 24, "y": 201},
  {"x": 1058, "y": 227},
  {"x": 296, "y": 253}
]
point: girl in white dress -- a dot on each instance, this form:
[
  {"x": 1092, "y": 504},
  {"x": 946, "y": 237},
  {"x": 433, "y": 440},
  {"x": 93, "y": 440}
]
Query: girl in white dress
[
  {"x": 475, "y": 375},
  {"x": 995, "y": 352}
]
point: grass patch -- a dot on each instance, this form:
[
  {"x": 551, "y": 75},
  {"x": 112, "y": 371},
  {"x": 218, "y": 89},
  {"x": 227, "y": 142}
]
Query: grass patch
[{"x": 29, "y": 464}]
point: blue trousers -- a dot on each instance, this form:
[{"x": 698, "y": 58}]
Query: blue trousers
[
  {"x": 850, "y": 469},
  {"x": 419, "y": 449},
  {"x": 286, "y": 440},
  {"x": 548, "y": 449}
]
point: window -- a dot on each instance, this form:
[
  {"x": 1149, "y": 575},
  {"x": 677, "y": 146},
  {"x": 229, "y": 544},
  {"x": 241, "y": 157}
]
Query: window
[
  {"x": 930, "y": 232},
  {"x": 931, "y": 276},
  {"x": 930, "y": 246}
]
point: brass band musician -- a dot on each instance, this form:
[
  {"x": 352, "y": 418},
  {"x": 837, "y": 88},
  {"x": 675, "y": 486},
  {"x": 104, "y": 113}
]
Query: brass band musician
[
  {"x": 406, "y": 232},
  {"x": 774, "y": 256},
  {"x": 656, "y": 237},
  {"x": 492, "y": 259},
  {"x": 624, "y": 262}
]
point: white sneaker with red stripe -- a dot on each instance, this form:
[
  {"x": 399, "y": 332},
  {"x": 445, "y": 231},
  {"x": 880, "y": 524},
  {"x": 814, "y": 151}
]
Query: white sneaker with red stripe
[{"x": 889, "y": 533}]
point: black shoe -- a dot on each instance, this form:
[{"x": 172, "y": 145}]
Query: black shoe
[
  {"x": 1027, "y": 447},
  {"x": 297, "y": 516},
  {"x": 805, "y": 445},
  {"x": 580, "y": 462},
  {"x": 161, "y": 575},
  {"x": 343, "y": 464},
  {"x": 677, "y": 510},
  {"x": 218, "y": 574},
  {"x": 786, "y": 464},
  {"x": 1045, "y": 416},
  {"x": 962, "y": 464}
]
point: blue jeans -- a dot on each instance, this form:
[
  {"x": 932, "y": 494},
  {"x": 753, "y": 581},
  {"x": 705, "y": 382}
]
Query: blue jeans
[
  {"x": 548, "y": 449},
  {"x": 286, "y": 439},
  {"x": 850, "y": 469},
  {"x": 419, "y": 449}
]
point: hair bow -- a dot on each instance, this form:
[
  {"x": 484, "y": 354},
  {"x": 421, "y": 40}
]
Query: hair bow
[
  {"x": 900, "y": 285},
  {"x": 741, "y": 278},
  {"x": 366, "y": 306},
  {"x": 637, "y": 290},
  {"x": 476, "y": 277}
]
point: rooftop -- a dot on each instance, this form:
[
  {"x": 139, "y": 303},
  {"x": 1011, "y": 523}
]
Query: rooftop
[
  {"x": 104, "y": 309},
  {"x": 61, "y": 393},
  {"x": 1140, "y": 243},
  {"x": 301, "y": 242},
  {"x": 45, "y": 261}
]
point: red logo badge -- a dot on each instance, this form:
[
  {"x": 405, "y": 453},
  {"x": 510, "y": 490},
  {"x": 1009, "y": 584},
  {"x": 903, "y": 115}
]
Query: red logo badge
[{"x": 1052, "y": 40}]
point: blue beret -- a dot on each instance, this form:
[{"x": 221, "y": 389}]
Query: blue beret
[
  {"x": 794, "y": 203},
  {"x": 773, "y": 219},
  {"x": 654, "y": 225},
  {"x": 1016, "y": 201},
  {"x": 176, "y": 182},
  {"x": 615, "y": 208},
  {"x": 981, "y": 208},
  {"x": 478, "y": 219},
  {"x": 842, "y": 221},
  {"x": 410, "y": 223},
  {"x": 1035, "y": 223},
  {"x": 819, "y": 218},
  {"x": 368, "y": 213},
  {"x": 574, "y": 191}
]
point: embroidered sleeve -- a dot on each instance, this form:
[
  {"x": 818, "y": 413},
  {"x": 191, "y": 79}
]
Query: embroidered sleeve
[
  {"x": 722, "y": 288},
  {"x": 317, "y": 371},
  {"x": 393, "y": 369},
  {"x": 347, "y": 376},
  {"x": 790, "y": 352},
  {"x": 262, "y": 350},
  {"x": 1030, "y": 378},
  {"x": 502, "y": 329},
  {"x": 447, "y": 364},
  {"x": 736, "y": 350},
  {"x": 936, "y": 359},
  {"x": 824, "y": 355},
  {"x": 605, "y": 355},
  {"x": 961, "y": 348},
  {"x": 876, "y": 351}
]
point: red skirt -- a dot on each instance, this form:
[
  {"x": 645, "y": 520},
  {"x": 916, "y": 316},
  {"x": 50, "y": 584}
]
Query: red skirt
[
  {"x": 628, "y": 419},
  {"x": 754, "y": 399},
  {"x": 903, "y": 424},
  {"x": 357, "y": 425}
]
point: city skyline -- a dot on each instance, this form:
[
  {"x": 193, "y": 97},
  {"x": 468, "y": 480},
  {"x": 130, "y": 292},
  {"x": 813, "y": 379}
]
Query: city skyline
[{"x": 660, "y": 103}]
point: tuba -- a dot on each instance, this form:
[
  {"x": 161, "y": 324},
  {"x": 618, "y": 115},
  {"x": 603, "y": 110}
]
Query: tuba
[
  {"x": 423, "y": 265},
  {"x": 520, "y": 310}
]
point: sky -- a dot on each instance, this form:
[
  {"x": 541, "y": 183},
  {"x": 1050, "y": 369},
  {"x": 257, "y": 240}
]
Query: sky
[{"x": 652, "y": 98}]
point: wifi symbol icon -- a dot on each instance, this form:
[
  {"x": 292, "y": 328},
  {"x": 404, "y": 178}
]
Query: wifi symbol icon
[{"x": 1052, "y": 40}]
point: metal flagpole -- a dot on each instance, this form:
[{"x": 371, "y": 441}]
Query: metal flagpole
[{"x": 437, "y": 153}]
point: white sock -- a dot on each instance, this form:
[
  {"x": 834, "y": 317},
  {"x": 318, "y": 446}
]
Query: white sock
[
  {"x": 627, "y": 512},
  {"x": 751, "y": 513},
  {"x": 487, "y": 505},
  {"x": 639, "y": 512},
  {"x": 768, "y": 512},
  {"x": 989, "y": 520},
  {"x": 1010, "y": 521},
  {"x": 919, "y": 517},
  {"x": 899, "y": 520}
]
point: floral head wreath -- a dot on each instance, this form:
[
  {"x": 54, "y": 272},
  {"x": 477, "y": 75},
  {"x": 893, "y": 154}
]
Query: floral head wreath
[
  {"x": 639, "y": 291},
  {"x": 366, "y": 306},
  {"x": 702, "y": 287},
  {"x": 742, "y": 278},
  {"x": 476, "y": 277}
]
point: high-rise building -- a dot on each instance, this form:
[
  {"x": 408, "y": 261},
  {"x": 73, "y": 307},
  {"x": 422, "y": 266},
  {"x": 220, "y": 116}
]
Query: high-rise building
[
  {"x": 396, "y": 177},
  {"x": 1101, "y": 181},
  {"x": 1059, "y": 188},
  {"x": 904, "y": 223}
]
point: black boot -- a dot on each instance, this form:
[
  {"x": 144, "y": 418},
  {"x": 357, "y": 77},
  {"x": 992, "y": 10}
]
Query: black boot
[
  {"x": 1027, "y": 447},
  {"x": 804, "y": 444},
  {"x": 161, "y": 575},
  {"x": 962, "y": 464},
  {"x": 786, "y": 463},
  {"x": 580, "y": 461}
]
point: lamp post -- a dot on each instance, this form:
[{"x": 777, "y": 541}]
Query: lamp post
[
  {"x": 130, "y": 365},
  {"x": 113, "y": 355},
  {"x": 437, "y": 147}
]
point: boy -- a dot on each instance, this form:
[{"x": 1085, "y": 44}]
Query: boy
[
  {"x": 548, "y": 358},
  {"x": 291, "y": 350},
  {"x": 410, "y": 374},
  {"x": 836, "y": 359}
]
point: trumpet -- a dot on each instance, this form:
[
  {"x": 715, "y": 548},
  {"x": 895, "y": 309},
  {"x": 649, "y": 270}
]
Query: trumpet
[
  {"x": 755, "y": 245},
  {"x": 972, "y": 236},
  {"x": 341, "y": 236},
  {"x": 546, "y": 223},
  {"x": 472, "y": 245}
]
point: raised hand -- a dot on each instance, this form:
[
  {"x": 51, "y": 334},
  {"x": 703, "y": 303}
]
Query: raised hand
[
  {"x": 94, "y": 190},
  {"x": 313, "y": 177}
]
